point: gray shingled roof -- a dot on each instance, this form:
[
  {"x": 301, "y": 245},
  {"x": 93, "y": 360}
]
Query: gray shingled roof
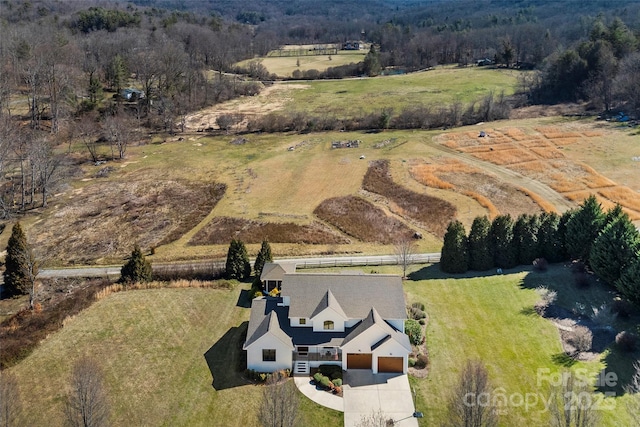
[
  {"x": 355, "y": 293},
  {"x": 275, "y": 271},
  {"x": 373, "y": 319},
  {"x": 329, "y": 301},
  {"x": 263, "y": 321}
]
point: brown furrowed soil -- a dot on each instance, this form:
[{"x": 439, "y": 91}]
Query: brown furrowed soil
[
  {"x": 222, "y": 230},
  {"x": 432, "y": 213},
  {"x": 499, "y": 197},
  {"x": 104, "y": 220},
  {"x": 363, "y": 220},
  {"x": 538, "y": 154}
]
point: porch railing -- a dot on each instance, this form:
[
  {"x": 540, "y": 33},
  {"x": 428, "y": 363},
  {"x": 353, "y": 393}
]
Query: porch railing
[{"x": 318, "y": 357}]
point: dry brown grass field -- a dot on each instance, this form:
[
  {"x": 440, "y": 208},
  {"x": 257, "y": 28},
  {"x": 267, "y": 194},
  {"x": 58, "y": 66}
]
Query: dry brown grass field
[{"x": 168, "y": 195}]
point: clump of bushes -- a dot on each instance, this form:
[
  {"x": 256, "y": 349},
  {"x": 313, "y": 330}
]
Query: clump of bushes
[
  {"x": 627, "y": 341},
  {"x": 263, "y": 377},
  {"x": 413, "y": 329},
  {"x": 331, "y": 371},
  {"x": 622, "y": 308},
  {"x": 581, "y": 338},
  {"x": 326, "y": 383},
  {"x": 421, "y": 361},
  {"x": 547, "y": 297},
  {"x": 540, "y": 264},
  {"x": 416, "y": 311}
]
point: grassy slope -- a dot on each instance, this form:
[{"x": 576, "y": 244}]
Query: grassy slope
[
  {"x": 485, "y": 318},
  {"x": 437, "y": 87},
  {"x": 152, "y": 346}
]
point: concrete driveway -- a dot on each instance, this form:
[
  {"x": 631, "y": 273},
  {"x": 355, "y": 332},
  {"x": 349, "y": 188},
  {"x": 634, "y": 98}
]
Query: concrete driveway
[{"x": 366, "y": 395}]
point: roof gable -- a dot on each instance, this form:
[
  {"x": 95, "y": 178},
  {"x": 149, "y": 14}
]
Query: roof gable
[
  {"x": 374, "y": 320},
  {"x": 276, "y": 271},
  {"x": 329, "y": 301},
  {"x": 262, "y": 324}
]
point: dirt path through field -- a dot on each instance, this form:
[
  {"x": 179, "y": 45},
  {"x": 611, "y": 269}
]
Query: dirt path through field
[
  {"x": 271, "y": 98},
  {"x": 513, "y": 178}
]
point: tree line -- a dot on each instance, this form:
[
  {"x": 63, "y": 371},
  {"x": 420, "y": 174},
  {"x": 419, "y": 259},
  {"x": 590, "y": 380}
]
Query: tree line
[{"x": 607, "y": 242}]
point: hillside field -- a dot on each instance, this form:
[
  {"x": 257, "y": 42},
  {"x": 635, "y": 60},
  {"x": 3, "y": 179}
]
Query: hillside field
[{"x": 161, "y": 348}]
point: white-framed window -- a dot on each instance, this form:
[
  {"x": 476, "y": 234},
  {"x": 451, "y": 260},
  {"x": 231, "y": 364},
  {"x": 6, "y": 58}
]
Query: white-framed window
[
  {"x": 328, "y": 325},
  {"x": 268, "y": 355}
]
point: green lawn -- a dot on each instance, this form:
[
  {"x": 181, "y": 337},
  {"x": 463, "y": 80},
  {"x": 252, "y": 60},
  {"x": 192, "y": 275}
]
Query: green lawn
[
  {"x": 438, "y": 87},
  {"x": 160, "y": 349},
  {"x": 489, "y": 318},
  {"x": 152, "y": 347}
]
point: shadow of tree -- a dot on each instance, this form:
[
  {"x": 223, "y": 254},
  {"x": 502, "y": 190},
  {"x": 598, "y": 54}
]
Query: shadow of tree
[
  {"x": 227, "y": 360},
  {"x": 433, "y": 272},
  {"x": 563, "y": 359},
  {"x": 619, "y": 363},
  {"x": 244, "y": 299}
]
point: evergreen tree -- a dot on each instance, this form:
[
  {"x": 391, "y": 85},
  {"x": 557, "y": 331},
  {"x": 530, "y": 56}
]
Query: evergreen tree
[
  {"x": 502, "y": 242},
  {"x": 16, "y": 281},
  {"x": 455, "y": 257},
  {"x": 372, "y": 62},
  {"x": 137, "y": 269},
  {"x": 613, "y": 214},
  {"x": 237, "y": 266},
  {"x": 550, "y": 245},
  {"x": 614, "y": 249},
  {"x": 480, "y": 255},
  {"x": 525, "y": 235},
  {"x": 583, "y": 227},
  {"x": 562, "y": 231},
  {"x": 629, "y": 282},
  {"x": 263, "y": 257}
]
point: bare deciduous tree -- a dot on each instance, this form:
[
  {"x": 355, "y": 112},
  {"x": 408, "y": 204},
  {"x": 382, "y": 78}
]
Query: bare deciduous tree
[
  {"x": 279, "y": 406},
  {"x": 405, "y": 250},
  {"x": 470, "y": 403},
  {"x": 118, "y": 131},
  {"x": 86, "y": 129},
  {"x": 87, "y": 403},
  {"x": 573, "y": 404},
  {"x": 10, "y": 402}
]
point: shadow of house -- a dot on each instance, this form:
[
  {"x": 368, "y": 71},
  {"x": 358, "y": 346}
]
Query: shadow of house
[{"x": 227, "y": 360}]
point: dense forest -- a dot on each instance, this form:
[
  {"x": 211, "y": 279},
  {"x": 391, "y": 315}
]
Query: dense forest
[{"x": 67, "y": 68}]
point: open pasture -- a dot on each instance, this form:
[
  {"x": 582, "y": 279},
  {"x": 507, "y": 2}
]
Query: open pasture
[
  {"x": 432, "y": 88},
  {"x": 284, "y": 66}
]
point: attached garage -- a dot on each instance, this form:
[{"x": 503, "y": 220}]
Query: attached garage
[
  {"x": 391, "y": 364},
  {"x": 359, "y": 361}
]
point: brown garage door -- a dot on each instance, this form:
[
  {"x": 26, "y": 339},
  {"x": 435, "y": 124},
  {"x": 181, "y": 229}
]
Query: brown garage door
[
  {"x": 390, "y": 364},
  {"x": 358, "y": 361}
]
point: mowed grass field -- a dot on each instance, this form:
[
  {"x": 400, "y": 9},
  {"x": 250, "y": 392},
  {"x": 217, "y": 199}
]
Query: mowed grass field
[
  {"x": 489, "y": 318},
  {"x": 436, "y": 88},
  {"x": 152, "y": 346},
  {"x": 284, "y": 66},
  {"x": 157, "y": 346}
]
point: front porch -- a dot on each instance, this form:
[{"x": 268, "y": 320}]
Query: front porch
[{"x": 305, "y": 358}]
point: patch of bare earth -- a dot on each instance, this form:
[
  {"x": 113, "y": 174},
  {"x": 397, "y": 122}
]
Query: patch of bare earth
[
  {"x": 362, "y": 220},
  {"x": 271, "y": 98},
  {"x": 221, "y": 230},
  {"x": 104, "y": 220},
  {"x": 505, "y": 197},
  {"x": 432, "y": 213}
]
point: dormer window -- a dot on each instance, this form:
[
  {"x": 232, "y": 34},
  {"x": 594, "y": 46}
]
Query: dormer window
[
  {"x": 328, "y": 325},
  {"x": 302, "y": 321}
]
